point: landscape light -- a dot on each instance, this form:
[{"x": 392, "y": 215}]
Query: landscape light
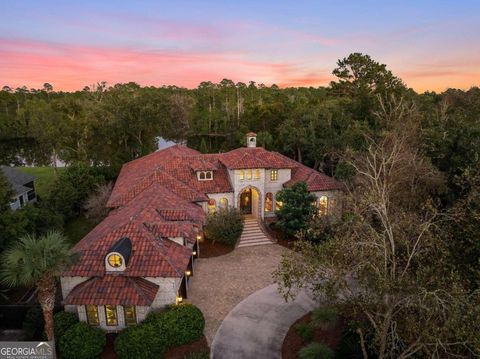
[
  {"x": 194, "y": 253},
  {"x": 188, "y": 273}
]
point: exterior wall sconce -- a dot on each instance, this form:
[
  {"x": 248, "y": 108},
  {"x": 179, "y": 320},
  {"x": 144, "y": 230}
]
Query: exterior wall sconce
[
  {"x": 179, "y": 299},
  {"x": 194, "y": 253},
  {"x": 188, "y": 273}
]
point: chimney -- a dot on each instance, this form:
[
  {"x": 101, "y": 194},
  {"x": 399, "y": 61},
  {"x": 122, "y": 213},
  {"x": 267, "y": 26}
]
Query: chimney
[{"x": 251, "y": 139}]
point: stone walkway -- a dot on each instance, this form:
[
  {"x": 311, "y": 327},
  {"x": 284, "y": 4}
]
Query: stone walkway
[
  {"x": 220, "y": 283},
  {"x": 256, "y": 327}
]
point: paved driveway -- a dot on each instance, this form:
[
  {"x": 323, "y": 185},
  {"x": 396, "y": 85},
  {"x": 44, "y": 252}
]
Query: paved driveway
[
  {"x": 256, "y": 327},
  {"x": 220, "y": 283}
]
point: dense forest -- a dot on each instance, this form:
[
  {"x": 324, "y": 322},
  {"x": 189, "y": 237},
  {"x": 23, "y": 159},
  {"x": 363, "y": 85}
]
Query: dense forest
[{"x": 106, "y": 125}]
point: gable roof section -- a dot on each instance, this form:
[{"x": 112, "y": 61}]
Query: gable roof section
[
  {"x": 113, "y": 290},
  {"x": 255, "y": 157}
]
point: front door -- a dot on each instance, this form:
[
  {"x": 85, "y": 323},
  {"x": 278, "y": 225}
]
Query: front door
[{"x": 246, "y": 201}]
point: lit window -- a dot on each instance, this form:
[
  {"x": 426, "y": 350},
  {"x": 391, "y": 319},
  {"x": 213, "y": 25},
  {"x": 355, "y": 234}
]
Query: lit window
[
  {"x": 92, "y": 314},
  {"x": 273, "y": 175},
  {"x": 130, "y": 315},
  {"x": 223, "y": 203},
  {"x": 111, "y": 315},
  {"x": 278, "y": 204},
  {"x": 249, "y": 174},
  {"x": 268, "y": 202},
  {"x": 257, "y": 174},
  {"x": 323, "y": 206},
  {"x": 241, "y": 175},
  {"x": 211, "y": 205},
  {"x": 115, "y": 260}
]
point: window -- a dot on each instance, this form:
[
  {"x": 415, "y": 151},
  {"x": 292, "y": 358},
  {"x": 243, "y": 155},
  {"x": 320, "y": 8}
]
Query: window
[
  {"x": 273, "y": 175},
  {"x": 323, "y": 206},
  {"x": 204, "y": 175},
  {"x": 111, "y": 315},
  {"x": 130, "y": 315},
  {"x": 115, "y": 260},
  {"x": 278, "y": 204},
  {"x": 211, "y": 205},
  {"x": 268, "y": 202},
  {"x": 92, "y": 314},
  {"x": 257, "y": 174},
  {"x": 241, "y": 175},
  {"x": 249, "y": 174},
  {"x": 223, "y": 203}
]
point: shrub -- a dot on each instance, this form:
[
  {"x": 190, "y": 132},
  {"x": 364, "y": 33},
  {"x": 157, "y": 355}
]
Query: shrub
[
  {"x": 316, "y": 351},
  {"x": 319, "y": 229},
  {"x": 297, "y": 208},
  {"x": 224, "y": 226},
  {"x": 62, "y": 321},
  {"x": 142, "y": 341},
  {"x": 304, "y": 330},
  {"x": 81, "y": 341},
  {"x": 34, "y": 324},
  {"x": 96, "y": 204},
  {"x": 324, "y": 317},
  {"x": 181, "y": 324}
]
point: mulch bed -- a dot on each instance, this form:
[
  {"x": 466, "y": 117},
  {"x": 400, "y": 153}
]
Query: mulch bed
[
  {"x": 209, "y": 249},
  {"x": 293, "y": 342},
  {"x": 180, "y": 352},
  {"x": 108, "y": 352},
  {"x": 278, "y": 235},
  {"x": 199, "y": 346}
]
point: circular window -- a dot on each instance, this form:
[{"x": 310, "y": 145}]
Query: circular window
[{"x": 115, "y": 260}]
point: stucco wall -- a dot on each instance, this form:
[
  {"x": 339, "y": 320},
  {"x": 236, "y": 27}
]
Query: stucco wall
[
  {"x": 218, "y": 196},
  {"x": 68, "y": 283},
  {"x": 167, "y": 292},
  {"x": 334, "y": 201}
]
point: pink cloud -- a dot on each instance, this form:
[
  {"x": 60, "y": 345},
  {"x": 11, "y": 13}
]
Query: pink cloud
[{"x": 70, "y": 67}]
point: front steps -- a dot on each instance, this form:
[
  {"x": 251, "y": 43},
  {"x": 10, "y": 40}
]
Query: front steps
[{"x": 252, "y": 234}]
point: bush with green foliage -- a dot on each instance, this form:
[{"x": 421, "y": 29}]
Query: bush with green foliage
[
  {"x": 82, "y": 341},
  {"x": 160, "y": 331},
  {"x": 305, "y": 330},
  {"x": 323, "y": 317},
  {"x": 141, "y": 341},
  {"x": 62, "y": 321},
  {"x": 224, "y": 226},
  {"x": 33, "y": 324},
  {"x": 297, "y": 209},
  {"x": 197, "y": 355},
  {"x": 316, "y": 350},
  {"x": 318, "y": 229},
  {"x": 72, "y": 187}
]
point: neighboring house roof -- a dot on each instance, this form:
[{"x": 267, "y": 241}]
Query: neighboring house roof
[
  {"x": 113, "y": 290},
  {"x": 17, "y": 179}
]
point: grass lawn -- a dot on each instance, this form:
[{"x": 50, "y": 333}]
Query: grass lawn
[
  {"x": 77, "y": 228},
  {"x": 45, "y": 176}
]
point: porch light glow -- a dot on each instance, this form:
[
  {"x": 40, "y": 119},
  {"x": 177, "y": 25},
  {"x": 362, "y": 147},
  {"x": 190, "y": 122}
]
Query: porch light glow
[
  {"x": 194, "y": 253},
  {"x": 179, "y": 299},
  {"x": 199, "y": 237},
  {"x": 188, "y": 273}
]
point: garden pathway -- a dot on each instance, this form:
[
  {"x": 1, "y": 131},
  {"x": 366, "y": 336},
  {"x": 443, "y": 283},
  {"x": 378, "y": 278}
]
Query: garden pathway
[
  {"x": 220, "y": 283},
  {"x": 256, "y": 327}
]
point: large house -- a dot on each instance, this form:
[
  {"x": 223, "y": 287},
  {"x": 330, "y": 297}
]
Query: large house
[
  {"x": 142, "y": 255},
  {"x": 23, "y": 186}
]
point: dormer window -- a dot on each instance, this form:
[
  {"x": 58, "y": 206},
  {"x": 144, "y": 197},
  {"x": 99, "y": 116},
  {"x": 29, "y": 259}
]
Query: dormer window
[
  {"x": 118, "y": 255},
  {"x": 205, "y": 175}
]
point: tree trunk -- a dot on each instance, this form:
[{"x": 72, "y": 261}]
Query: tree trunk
[{"x": 46, "y": 297}]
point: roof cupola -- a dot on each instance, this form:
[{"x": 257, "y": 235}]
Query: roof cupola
[{"x": 251, "y": 139}]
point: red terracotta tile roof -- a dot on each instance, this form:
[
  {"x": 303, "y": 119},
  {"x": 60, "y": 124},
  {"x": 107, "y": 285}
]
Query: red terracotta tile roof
[
  {"x": 113, "y": 289},
  {"x": 255, "y": 157}
]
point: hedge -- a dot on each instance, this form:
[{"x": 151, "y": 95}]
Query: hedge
[
  {"x": 81, "y": 341},
  {"x": 62, "y": 321},
  {"x": 142, "y": 341},
  {"x": 316, "y": 351},
  {"x": 224, "y": 226}
]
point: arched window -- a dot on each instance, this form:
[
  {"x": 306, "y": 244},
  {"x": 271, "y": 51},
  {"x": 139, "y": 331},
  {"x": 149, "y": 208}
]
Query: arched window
[
  {"x": 241, "y": 175},
  {"x": 212, "y": 205},
  {"x": 278, "y": 204},
  {"x": 201, "y": 175},
  {"x": 268, "y": 202},
  {"x": 223, "y": 203},
  {"x": 257, "y": 174},
  {"x": 208, "y": 175},
  {"x": 323, "y": 205},
  {"x": 249, "y": 174}
]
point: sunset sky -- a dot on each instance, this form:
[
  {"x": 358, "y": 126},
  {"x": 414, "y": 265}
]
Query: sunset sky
[{"x": 431, "y": 45}]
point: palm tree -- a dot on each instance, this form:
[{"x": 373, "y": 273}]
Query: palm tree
[{"x": 38, "y": 261}]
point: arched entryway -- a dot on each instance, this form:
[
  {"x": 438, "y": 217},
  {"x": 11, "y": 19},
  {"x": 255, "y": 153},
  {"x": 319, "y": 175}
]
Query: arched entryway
[{"x": 249, "y": 201}]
